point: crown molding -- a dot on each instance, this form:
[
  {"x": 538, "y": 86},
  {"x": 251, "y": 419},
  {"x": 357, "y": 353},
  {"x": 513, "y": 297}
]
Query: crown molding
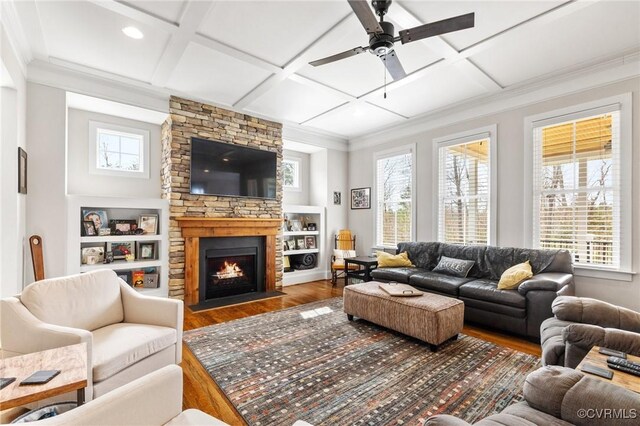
[
  {"x": 604, "y": 73},
  {"x": 296, "y": 133}
]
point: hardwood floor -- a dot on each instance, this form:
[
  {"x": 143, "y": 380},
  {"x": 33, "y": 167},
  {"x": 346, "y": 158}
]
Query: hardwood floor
[{"x": 201, "y": 392}]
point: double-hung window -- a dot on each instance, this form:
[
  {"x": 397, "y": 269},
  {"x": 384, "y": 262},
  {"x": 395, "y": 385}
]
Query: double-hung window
[
  {"x": 465, "y": 208},
  {"x": 395, "y": 205},
  {"x": 580, "y": 186}
]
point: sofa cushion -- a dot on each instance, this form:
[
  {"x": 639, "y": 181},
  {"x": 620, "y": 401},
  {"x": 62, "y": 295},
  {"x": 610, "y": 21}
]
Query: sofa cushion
[
  {"x": 86, "y": 301},
  {"x": 512, "y": 277},
  {"x": 454, "y": 267},
  {"x": 474, "y": 253},
  {"x": 400, "y": 275},
  {"x": 553, "y": 346},
  {"x": 424, "y": 255},
  {"x": 388, "y": 260},
  {"x": 438, "y": 282},
  {"x": 524, "y": 411},
  {"x": 488, "y": 290},
  {"x": 498, "y": 308},
  {"x": 117, "y": 346}
]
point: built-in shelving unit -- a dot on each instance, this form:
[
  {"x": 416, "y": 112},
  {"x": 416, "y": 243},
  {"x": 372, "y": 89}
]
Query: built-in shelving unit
[
  {"x": 302, "y": 216},
  {"x": 120, "y": 209}
]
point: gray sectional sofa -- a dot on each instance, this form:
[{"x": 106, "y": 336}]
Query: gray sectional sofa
[{"x": 519, "y": 311}]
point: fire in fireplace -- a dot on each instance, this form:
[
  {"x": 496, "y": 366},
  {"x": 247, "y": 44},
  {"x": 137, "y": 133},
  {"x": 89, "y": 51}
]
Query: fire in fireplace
[{"x": 231, "y": 266}]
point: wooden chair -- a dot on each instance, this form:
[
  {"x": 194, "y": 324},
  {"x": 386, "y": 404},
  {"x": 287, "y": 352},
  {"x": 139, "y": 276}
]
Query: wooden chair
[{"x": 345, "y": 246}]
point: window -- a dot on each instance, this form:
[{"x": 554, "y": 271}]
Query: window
[
  {"x": 291, "y": 174},
  {"x": 394, "y": 197},
  {"x": 118, "y": 150},
  {"x": 464, "y": 178},
  {"x": 577, "y": 186}
]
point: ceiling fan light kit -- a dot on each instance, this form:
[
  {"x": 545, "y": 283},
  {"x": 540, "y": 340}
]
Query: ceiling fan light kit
[{"x": 382, "y": 39}]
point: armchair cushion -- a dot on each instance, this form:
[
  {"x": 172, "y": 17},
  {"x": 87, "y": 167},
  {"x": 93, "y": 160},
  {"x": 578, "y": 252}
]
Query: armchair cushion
[
  {"x": 87, "y": 301},
  {"x": 596, "y": 312},
  {"x": 117, "y": 346}
]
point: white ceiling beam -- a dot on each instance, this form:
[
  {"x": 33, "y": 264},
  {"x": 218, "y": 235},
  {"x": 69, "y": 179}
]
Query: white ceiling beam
[
  {"x": 194, "y": 13},
  {"x": 137, "y": 15},
  {"x": 235, "y": 53},
  {"x": 294, "y": 65}
]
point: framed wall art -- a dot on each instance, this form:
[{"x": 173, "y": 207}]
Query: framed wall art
[{"x": 361, "y": 198}]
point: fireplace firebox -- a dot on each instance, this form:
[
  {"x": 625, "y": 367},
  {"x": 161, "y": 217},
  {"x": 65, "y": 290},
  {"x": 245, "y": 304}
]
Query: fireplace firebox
[{"x": 231, "y": 266}]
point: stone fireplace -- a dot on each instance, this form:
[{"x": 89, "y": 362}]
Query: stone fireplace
[{"x": 197, "y": 218}]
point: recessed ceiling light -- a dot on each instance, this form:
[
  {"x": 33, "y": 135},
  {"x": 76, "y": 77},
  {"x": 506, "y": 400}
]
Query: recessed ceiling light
[
  {"x": 225, "y": 159},
  {"x": 206, "y": 170},
  {"x": 133, "y": 32}
]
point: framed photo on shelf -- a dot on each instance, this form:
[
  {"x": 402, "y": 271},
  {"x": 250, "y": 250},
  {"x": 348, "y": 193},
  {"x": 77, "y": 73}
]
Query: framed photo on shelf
[
  {"x": 121, "y": 250},
  {"x": 361, "y": 198},
  {"x": 88, "y": 229},
  {"x": 148, "y": 223},
  {"x": 150, "y": 280},
  {"x": 285, "y": 245},
  {"x": 296, "y": 225},
  {"x": 92, "y": 255},
  {"x": 146, "y": 251},
  {"x": 310, "y": 241},
  {"x": 98, "y": 217},
  {"x": 124, "y": 276},
  {"x": 300, "y": 243}
]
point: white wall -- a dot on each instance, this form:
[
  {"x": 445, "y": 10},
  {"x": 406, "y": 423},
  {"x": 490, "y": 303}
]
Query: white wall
[
  {"x": 80, "y": 182},
  {"x": 13, "y": 95},
  {"x": 298, "y": 197},
  {"x": 46, "y": 138},
  {"x": 510, "y": 209}
]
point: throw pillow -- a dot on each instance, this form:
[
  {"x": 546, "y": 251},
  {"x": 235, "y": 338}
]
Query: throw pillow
[
  {"x": 455, "y": 267},
  {"x": 512, "y": 277},
  {"x": 388, "y": 260},
  {"x": 339, "y": 256}
]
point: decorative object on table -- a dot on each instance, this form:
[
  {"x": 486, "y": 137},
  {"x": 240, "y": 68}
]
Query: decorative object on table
[
  {"x": 108, "y": 257},
  {"x": 388, "y": 260},
  {"x": 98, "y": 217},
  {"x": 96, "y": 251},
  {"x": 488, "y": 374},
  {"x": 88, "y": 228},
  {"x": 337, "y": 198},
  {"x": 400, "y": 290},
  {"x": 361, "y": 198},
  {"x": 300, "y": 243},
  {"x": 312, "y": 226},
  {"x": 22, "y": 171},
  {"x": 296, "y": 225},
  {"x": 104, "y": 231},
  {"x": 146, "y": 250},
  {"x": 122, "y": 249},
  {"x": 137, "y": 279},
  {"x": 310, "y": 242},
  {"x": 148, "y": 223},
  {"x": 124, "y": 276},
  {"x": 37, "y": 257},
  {"x": 150, "y": 281}
]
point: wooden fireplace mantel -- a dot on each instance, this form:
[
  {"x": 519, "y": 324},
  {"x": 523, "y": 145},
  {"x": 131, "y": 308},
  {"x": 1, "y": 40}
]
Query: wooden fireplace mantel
[{"x": 194, "y": 228}]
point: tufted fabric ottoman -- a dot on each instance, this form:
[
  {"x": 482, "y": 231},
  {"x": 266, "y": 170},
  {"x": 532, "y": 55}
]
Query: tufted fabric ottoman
[{"x": 431, "y": 318}]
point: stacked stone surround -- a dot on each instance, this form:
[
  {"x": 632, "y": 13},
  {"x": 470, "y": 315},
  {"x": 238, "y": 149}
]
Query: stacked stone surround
[{"x": 189, "y": 118}]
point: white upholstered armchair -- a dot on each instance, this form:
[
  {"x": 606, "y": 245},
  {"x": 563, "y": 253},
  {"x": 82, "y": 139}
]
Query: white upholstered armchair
[{"x": 128, "y": 335}]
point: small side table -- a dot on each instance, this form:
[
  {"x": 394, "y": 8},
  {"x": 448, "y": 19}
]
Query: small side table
[
  {"x": 620, "y": 378},
  {"x": 70, "y": 360},
  {"x": 368, "y": 263}
]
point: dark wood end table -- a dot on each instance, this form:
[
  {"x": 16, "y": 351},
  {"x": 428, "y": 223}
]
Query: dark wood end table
[
  {"x": 367, "y": 263},
  {"x": 70, "y": 360}
]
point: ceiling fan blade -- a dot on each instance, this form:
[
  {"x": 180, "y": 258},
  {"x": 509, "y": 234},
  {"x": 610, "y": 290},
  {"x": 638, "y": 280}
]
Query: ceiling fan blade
[
  {"x": 393, "y": 65},
  {"x": 436, "y": 28},
  {"x": 365, "y": 15},
  {"x": 337, "y": 57}
]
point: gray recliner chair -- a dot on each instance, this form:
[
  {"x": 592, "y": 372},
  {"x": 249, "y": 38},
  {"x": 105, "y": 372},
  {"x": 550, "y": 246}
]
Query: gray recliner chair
[{"x": 580, "y": 323}]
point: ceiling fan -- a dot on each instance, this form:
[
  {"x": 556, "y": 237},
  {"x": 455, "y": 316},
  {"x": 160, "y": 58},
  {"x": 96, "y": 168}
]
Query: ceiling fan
[{"x": 382, "y": 39}]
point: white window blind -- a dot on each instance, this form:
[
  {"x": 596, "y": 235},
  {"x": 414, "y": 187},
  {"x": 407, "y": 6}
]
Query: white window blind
[
  {"x": 464, "y": 192},
  {"x": 394, "y": 199},
  {"x": 577, "y": 186}
]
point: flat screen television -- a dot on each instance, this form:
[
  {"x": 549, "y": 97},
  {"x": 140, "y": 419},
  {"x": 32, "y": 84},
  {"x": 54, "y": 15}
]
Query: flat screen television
[{"x": 219, "y": 168}]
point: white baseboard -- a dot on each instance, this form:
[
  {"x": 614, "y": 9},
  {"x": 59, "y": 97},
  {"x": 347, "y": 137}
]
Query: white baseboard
[{"x": 299, "y": 277}]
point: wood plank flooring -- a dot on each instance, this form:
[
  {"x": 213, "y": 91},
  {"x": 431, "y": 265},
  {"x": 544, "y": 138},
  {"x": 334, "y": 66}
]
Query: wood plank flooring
[{"x": 200, "y": 391}]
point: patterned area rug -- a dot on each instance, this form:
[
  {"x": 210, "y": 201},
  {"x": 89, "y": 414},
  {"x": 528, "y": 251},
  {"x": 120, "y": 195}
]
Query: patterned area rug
[{"x": 310, "y": 363}]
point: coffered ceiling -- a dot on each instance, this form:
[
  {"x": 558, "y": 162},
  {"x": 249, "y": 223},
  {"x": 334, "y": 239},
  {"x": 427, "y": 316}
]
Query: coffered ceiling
[{"x": 253, "y": 56}]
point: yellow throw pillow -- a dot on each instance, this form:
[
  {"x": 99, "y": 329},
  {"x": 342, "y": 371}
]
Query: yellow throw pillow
[
  {"x": 513, "y": 276},
  {"x": 387, "y": 260}
]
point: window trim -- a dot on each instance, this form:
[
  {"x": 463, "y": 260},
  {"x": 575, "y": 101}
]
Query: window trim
[
  {"x": 490, "y": 132},
  {"x": 295, "y": 159},
  {"x": 574, "y": 112},
  {"x": 93, "y": 150},
  {"x": 378, "y": 155}
]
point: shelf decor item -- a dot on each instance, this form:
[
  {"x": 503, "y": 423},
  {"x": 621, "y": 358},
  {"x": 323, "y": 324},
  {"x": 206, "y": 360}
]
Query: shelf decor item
[
  {"x": 300, "y": 243},
  {"x": 121, "y": 250},
  {"x": 95, "y": 252},
  {"x": 146, "y": 251},
  {"x": 361, "y": 198},
  {"x": 148, "y": 223},
  {"x": 124, "y": 276},
  {"x": 296, "y": 225},
  {"x": 310, "y": 242},
  {"x": 98, "y": 217},
  {"x": 137, "y": 279},
  {"x": 150, "y": 281},
  {"x": 88, "y": 229}
]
